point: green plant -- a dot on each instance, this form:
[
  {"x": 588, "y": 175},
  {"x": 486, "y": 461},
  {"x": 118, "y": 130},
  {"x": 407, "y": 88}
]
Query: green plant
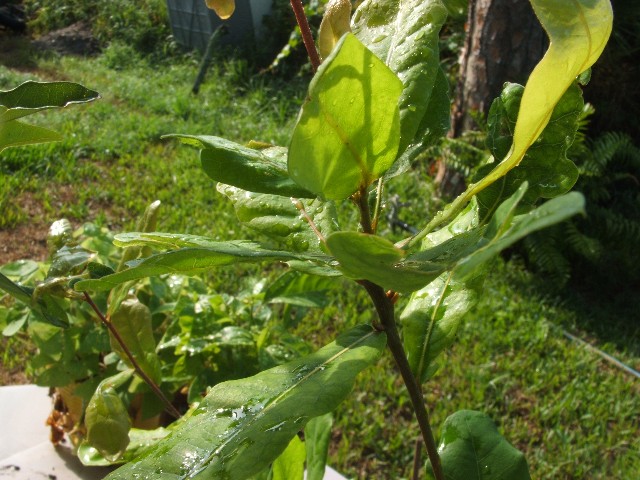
[
  {"x": 376, "y": 100},
  {"x": 597, "y": 248}
]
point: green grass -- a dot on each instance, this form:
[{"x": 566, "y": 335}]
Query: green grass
[{"x": 574, "y": 415}]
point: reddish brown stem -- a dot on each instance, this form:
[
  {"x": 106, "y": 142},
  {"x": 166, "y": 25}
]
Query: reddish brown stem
[
  {"x": 307, "y": 37},
  {"x": 114, "y": 331}
]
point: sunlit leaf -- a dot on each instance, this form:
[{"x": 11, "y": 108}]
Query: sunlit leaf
[
  {"x": 290, "y": 464},
  {"x": 242, "y": 426},
  {"x": 578, "y": 32},
  {"x": 471, "y": 448},
  {"x": 347, "y": 134},
  {"x": 405, "y": 34}
]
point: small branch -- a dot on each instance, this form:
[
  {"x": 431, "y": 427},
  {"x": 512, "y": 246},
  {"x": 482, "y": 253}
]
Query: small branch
[
  {"x": 169, "y": 407},
  {"x": 384, "y": 308},
  {"x": 307, "y": 37}
]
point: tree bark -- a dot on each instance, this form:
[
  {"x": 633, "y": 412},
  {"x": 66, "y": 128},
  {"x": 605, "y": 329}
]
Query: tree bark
[{"x": 504, "y": 42}]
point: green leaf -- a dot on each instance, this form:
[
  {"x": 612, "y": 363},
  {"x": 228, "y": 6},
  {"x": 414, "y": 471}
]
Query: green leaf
[
  {"x": 431, "y": 319},
  {"x": 471, "y": 448},
  {"x": 31, "y": 97},
  {"x": 45, "y": 307},
  {"x": 433, "y": 314},
  {"x": 243, "y": 425},
  {"x": 301, "y": 289},
  {"x": 348, "y": 131},
  {"x": 317, "y": 437},
  {"x": 545, "y": 166},
  {"x": 139, "y": 442},
  {"x": 132, "y": 320},
  {"x": 374, "y": 258},
  {"x": 188, "y": 260},
  {"x": 509, "y": 232},
  {"x": 262, "y": 171},
  {"x": 405, "y": 36},
  {"x": 15, "y": 133},
  {"x": 107, "y": 419},
  {"x": 15, "y": 290},
  {"x": 290, "y": 464},
  {"x": 278, "y": 218}
]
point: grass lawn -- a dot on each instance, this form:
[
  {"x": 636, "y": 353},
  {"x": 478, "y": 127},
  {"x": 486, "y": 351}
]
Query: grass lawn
[{"x": 574, "y": 415}]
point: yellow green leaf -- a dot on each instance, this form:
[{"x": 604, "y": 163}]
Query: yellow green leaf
[{"x": 335, "y": 23}]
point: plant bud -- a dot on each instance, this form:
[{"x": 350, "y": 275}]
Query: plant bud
[
  {"x": 335, "y": 23},
  {"x": 223, "y": 8}
]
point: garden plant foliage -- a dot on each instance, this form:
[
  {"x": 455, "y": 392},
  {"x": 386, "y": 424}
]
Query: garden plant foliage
[{"x": 378, "y": 97}]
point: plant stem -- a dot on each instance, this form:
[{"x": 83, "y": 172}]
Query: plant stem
[
  {"x": 307, "y": 37},
  {"x": 114, "y": 331},
  {"x": 384, "y": 307},
  {"x": 361, "y": 198}
]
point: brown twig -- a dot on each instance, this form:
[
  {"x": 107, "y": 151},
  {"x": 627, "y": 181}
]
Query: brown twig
[
  {"x": 305, "y": 30},
  {"x": 114, "y": 331}
]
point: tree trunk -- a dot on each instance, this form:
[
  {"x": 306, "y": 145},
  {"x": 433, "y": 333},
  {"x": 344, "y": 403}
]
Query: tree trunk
[{"x": 504, "y": 42}]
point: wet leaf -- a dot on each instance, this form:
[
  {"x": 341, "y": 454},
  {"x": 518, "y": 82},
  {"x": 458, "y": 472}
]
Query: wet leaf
[
  {"x": 405, "y": 34},
  {"x": 139, "y": 442},
  {"x": 242, "y": 426},
  {"x": 347, "y": 134}
]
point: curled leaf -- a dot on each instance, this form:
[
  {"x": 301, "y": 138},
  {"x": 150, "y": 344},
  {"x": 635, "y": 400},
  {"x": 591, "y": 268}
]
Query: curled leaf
[{"x": 335, "y": 23}]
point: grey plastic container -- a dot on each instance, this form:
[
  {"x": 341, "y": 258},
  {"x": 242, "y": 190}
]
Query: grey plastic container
[{"x": 193, "y": 23}]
